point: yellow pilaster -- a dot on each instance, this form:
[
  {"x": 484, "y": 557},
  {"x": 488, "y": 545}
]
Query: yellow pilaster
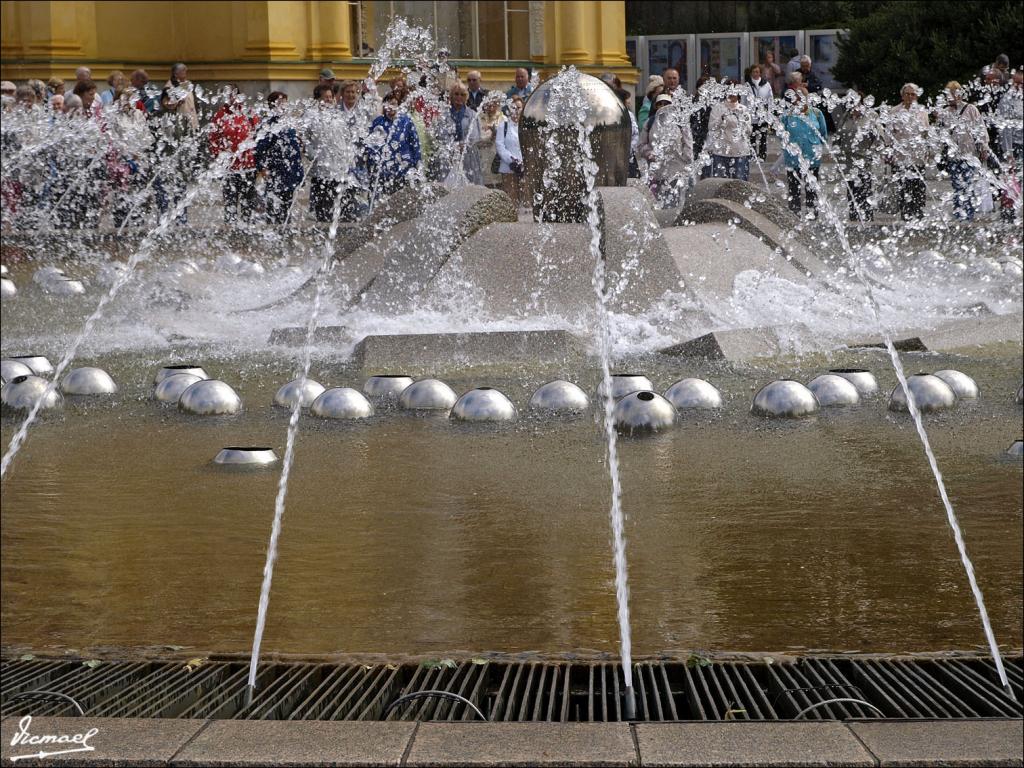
[
  {"x": 10, "y": 31},
  {"x": 59, "y": 29},
  {"x": 267, "y": 28},
  {"x": 330, "y": 31}
]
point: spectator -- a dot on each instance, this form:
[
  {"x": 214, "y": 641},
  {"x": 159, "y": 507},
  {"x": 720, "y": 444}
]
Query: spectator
[
  {"x": 655, "y": 87},
  {"x": 463, "y": 119},
  {"x": 488, "y": 122},
  {"x": 325, "y": 132},
  {"x": 393, "y": 150},
  {"x": 326, "y": 77},
  {"x": 1010, "y": 123},
  {"x": 760, "y": 101},
  {"x": 1001, "y": 68},
  {"x": 907, "y": 132},
  {"x": 130, "y": 140},
  {"x": 729, "y": 129},
  {"x": 86, "y": 91},
  {"x": 54, "y": 86},
  {"x": 234, "y": 125},
  {"x": 178, "y": 126},
  {"x": 671, "y": 152},
  {"x": 73, "y": 105},
  {"x": 794, "y": 82},
  {"x": 773, "y": 73},
  {"x": 82, "y": 75},
  {"x": 793, "y": 65},
  {"x": 177, "y": 99},
  {"x": 8, "y": 89},
  {"x": 1011, "y": 120},
  {"x": 506, "y": 144},
  {"x": 645, "y": 146},
  {"x": 857, "y": 141},
  {"x": 699, "y": 118},
  {"x": 278, "y": 160},
  {"x": 522, "y": 87},
  {"x": 39, "y": 88},
  {"x": 400, "y": 88},
  {"x": 57, "y": 102},
  {"x": 146, "y": 100},
  {"x": 811, "y": 80},
  {"x": 806, "y": 135},
  {"x": 968, "y": 148},
  {"x": 476, "y": 93},
  {"x": 349, "y": 96},
  {"x": 987, "y": 98},
  {"x": 117, "y": 82},
  {"x": 25, "y": 96},
  {"x": 670, "y": 78}
]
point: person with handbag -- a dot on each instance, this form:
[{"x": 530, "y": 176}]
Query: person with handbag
[
  {"x": 483, "y": 135},
  {"x": 506, "y": 142},
  {"x": 967, "y": 150}
]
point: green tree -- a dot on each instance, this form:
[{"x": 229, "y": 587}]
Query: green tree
[{"x": 928, "y": 43}]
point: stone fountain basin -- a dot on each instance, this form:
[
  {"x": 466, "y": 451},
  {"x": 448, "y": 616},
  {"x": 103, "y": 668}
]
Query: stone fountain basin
[{"x": 410, "y": 533}]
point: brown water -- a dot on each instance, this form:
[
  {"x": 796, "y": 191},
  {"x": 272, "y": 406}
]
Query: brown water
[{"x": 413, "y": 535}]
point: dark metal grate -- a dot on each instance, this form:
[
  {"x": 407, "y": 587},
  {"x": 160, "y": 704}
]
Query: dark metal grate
[{"x": 517, "y": 691}]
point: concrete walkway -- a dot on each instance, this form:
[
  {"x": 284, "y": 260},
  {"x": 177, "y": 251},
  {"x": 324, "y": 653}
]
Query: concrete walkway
[{"x": 164, "y": 742}]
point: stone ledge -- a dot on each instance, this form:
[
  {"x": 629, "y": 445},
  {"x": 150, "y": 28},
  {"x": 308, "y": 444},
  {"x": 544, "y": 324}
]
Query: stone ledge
[
  {"x": 167, "y": 742},
  {"x": 117, "y": 742},
  {"x": 750, "y": 744},
  {"x": 943, "y": 742},
  {"x": 523, "y": 744},
  {"x": 286, "y": 743}
]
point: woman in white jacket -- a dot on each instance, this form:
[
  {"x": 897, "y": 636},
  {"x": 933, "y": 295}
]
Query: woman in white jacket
[
  {"x": 506, "y": 142},
  {"x": 671, "y": 151},
  {"x": 728, "y": 140}
]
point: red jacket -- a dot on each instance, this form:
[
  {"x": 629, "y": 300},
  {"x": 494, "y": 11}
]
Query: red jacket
[{"x": 231, "y": 127}]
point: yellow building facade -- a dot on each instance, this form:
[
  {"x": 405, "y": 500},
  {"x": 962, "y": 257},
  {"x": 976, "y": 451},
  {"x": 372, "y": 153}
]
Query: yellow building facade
[{"x": 284, "y": 43}]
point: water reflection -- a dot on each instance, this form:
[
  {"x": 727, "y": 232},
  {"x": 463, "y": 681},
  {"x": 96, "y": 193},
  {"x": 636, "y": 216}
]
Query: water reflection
[{"x": 416, "y": 535}]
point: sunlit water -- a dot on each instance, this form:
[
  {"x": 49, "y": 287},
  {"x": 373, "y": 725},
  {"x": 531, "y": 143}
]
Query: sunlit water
[{"x": 411, "y": 535}]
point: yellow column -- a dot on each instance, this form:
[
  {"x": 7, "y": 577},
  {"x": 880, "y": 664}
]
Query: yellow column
[
  {"x": 612, "y": 18},
  {"x": 575, "y": 45},
  {"x": 330, "y": 32}
]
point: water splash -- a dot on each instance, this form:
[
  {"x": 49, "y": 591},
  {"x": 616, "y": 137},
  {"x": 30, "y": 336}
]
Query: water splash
[
  {"x": 399, "y": 34},
  {"x": 855, "y": 265},
  {"x": 218, "y": 168},
  {"x": 567, "y": 97}
]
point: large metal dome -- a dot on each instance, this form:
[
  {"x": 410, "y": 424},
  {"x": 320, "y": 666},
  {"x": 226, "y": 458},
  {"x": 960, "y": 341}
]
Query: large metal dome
[{"x": 611, "y": 130}]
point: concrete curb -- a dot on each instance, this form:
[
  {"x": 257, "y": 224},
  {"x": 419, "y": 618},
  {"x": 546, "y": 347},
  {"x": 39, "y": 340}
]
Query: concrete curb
[{"x": 164, "y": 742}]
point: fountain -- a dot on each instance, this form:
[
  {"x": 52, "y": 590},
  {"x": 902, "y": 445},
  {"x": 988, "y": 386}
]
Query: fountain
[{"x": 443, "y": 282}]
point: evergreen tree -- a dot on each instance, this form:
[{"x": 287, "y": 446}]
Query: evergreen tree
[{"x": 928, "y": 43}]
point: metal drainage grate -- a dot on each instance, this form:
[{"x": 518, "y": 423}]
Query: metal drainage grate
[{"x": 813, "y": 688}]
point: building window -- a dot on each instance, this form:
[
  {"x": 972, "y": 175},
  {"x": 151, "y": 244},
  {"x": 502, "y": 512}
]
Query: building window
[{"x": 477, "y": 29}]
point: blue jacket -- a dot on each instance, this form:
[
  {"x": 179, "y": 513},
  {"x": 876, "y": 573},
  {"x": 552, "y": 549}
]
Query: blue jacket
[
  {"x": 279, "y": 153},
  {"x": 399, "y": 154},
  {"x": 804, "y": 130}
]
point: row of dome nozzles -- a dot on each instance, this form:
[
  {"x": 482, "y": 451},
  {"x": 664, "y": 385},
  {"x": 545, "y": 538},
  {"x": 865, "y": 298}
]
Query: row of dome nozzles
[
  {"x": 785, "y": 398},
  {"x": 638, "y": 407}
]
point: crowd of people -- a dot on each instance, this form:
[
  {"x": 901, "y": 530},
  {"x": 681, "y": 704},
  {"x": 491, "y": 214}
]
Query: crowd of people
[
  {"x": 74, "y": 150},
  {"x": 970, "y": 132}
]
